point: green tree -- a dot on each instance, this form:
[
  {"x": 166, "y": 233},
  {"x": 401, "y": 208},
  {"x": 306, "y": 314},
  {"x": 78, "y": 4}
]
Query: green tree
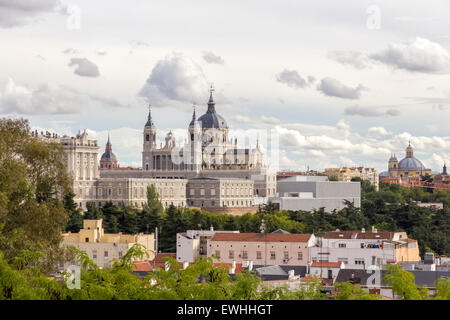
[
  {"x": 402, "y": 282},
  {"x": 33, "y": 180},
  {"x": 75, "y": 222}
]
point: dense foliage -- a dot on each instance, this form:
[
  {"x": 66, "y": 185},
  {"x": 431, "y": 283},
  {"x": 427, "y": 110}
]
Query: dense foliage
[{"x": 33, "y": 180}]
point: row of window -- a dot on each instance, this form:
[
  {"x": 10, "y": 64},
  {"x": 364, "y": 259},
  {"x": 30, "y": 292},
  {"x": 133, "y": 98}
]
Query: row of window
[{"x": 244, "y": 255}]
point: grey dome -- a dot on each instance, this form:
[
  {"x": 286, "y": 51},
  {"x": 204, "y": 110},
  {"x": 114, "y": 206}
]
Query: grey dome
[
  {"x": 411, "y": 164},
  {"x": 108, "y": 155},
  {"x": 212, "y": 120}
]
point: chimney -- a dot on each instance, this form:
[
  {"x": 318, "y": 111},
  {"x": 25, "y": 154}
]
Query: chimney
[
  {"x": 363, "y": 230},
  {"x": 373, "y": 228},
  {"x": 211, "y": 228},
  {"x": 250, "y": 266}
]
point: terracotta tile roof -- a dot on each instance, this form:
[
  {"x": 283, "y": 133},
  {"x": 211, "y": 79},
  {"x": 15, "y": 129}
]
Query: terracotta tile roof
[
  {"x": 142, "y": 266},
  {"x": 326, "y": 264},
  {"x": 260, "y": 237},
  {"x": 358, "y": 235},
  {"x": 160, "y": 262}
]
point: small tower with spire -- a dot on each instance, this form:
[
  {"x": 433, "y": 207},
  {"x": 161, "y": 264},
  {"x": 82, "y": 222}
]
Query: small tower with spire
[
  {"x": 444, "y": 170},
  {"x": 149, "y": 141},
  {"x": 108, "y": 161},
  {"x": 393, "y": 165},
  {"x": 409, "y": 151}
]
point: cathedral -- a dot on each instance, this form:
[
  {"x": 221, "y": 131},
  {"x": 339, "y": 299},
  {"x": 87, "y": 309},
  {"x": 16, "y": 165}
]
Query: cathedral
[
  {"x": 208, "y": 171},
  {"x": 409, "y": 166}
]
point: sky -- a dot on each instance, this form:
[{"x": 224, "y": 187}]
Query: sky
[{"x": 341, "y": 83}]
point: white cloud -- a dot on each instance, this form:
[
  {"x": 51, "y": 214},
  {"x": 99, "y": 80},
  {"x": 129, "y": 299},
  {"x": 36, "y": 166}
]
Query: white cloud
[
  {"x": 293, "y": 79},
  {"x": 15, "y": 13},
  {"x": 46, "y": 99},
  {"x": 353, "y": 58},
  {"x": 370, "y": 112},
  {"x": 84, "y": 67},
  {"x": 420, "y": 55},
  {"x": 378, "y": 131},
  {"x": 334, "y": 88},
  {"x": 175, "y": 81},
  {"x": 210, "y": 57}
]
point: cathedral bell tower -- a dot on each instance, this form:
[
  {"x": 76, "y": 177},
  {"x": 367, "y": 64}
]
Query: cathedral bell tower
[{"x": 149, "y": 144}]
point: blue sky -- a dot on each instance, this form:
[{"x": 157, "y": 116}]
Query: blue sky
[{"x": 343, "y": 83}]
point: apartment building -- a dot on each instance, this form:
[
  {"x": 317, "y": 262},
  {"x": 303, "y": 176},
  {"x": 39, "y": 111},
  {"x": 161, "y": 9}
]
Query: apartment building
[
  {"x": 361, "y": 249},
  {"x": 192, "y": 244},
  {"x": 102, "y": 247},
  {"x": 261, "y": 248},
  {"x": 346, "y": 174}
]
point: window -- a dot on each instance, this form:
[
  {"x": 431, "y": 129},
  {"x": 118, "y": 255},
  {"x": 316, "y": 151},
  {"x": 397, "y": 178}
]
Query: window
[
  {"x": 120, "y": 254},
  {"x": 244, "y": 255},
  {"x": 359, "y": 261},
  {"x": 231, "y": 254},
  {"x": 106, "y": 254},
  {"x": 342, "y": 245},
  {"x": 94, "y": 254},
  {"x": 202, "y": 192},
  {"x": 217, "y": 254},
  {"x": 286, "y": 255},
  {"x": 213, "y": 192},
  {"x": 300, "y": 256},
  {"x": 86, "y": 239},
  {"x": 344, "y": 260},
  {"x": 192, "y": 192},
  {"x": 272, "y": 255},
  {"x": 258, "y": 254}
]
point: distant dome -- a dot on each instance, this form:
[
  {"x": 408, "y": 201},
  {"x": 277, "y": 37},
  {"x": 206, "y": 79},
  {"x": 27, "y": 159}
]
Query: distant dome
[
  {"x": 108, "y": 155},
  {"x": 411, "y": 164}
]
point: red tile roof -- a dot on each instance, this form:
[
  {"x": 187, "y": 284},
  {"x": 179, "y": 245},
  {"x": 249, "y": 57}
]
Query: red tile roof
[
  {"x": 142, "y": 266},
  {"x": 326, "y": 264},
  {"x": 160, "y": 262},
  {"x": 260, "y": 237}
]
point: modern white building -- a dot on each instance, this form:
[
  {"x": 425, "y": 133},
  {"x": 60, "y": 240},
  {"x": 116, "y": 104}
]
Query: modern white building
[{"x": 314, "y": 192}]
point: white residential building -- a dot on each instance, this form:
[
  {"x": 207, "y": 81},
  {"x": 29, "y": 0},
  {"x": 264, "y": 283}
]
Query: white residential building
[{"x": 361, "y": 249}]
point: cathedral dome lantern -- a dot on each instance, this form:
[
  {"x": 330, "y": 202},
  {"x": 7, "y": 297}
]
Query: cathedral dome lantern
[
  {"x": 211, "y": 119},
  {"x": 409, "y": 151}
]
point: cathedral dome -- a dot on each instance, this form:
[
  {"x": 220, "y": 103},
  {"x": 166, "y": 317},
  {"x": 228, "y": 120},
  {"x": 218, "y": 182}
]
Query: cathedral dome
[
  {"x": 412, "y": 164},
  {"x": 108, "y": 155},
  {"x": 211, "y": 119}
]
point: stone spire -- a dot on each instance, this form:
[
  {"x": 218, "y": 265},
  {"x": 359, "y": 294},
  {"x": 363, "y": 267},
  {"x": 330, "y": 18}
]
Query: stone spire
[
  {"x": 444, "y": 169},
  {"x": 211, "y": 103},
  {"x": 149, "y": 121}
]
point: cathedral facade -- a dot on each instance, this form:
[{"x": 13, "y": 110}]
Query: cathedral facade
[{"x": 217, "y": 171}]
